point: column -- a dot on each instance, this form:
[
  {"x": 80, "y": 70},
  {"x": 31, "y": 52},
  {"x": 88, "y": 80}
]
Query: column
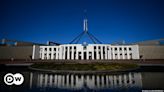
[
  {"x": 118, "y": 52},
  {"x": 52, "y": 53},
  {"x": 123, "y": 53},
  {"x": 60, "y": 52},
  {"x": 113, "y": 52},
  {"x": 87, "y": 53},
  {"x": 82, "y": 54},
  {"x": 92, "y": 53},
  {"x": 77, "y": 55},
  {"x": 109, "y": 54},
  {"x": 102, "y": 53},
  {"x": 47, "y": 52},
  {"x": 128, "y": 52},
  {"x": 57, "y": 53},
  {"x": 43, "y": 51},
  {"x": 64, "y": 52}
]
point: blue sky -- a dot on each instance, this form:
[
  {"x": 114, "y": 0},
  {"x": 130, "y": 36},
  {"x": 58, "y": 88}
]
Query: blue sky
[{"x": 62, "y": 20}]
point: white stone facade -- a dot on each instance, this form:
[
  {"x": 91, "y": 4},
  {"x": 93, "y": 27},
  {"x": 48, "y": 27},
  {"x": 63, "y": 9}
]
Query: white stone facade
[{"x": 89, "y": 52}]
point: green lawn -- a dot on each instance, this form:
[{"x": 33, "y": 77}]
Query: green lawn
[{"x": 85, "y": 67}]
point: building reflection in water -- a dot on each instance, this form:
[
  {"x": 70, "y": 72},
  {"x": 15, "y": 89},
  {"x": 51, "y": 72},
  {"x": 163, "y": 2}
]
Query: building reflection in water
[{"x": 80, "y": 81}]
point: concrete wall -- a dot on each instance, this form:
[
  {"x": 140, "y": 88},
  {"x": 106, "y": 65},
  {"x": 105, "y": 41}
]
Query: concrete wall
[
  {"x": 151, "y": 52},
  {"x": 35, "y": 53},
  {"x": 17, "y": 52}
]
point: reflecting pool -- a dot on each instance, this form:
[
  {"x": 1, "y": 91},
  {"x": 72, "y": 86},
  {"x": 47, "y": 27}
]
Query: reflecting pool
[{"x": 133, "y": 81}]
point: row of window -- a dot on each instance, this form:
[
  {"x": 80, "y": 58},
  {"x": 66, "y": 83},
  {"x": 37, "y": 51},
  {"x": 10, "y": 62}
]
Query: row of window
[
  {"x": 115, "y": 48},
  {"x": 90, "y": 54},
  {"x": 50, "y": 49},
  {"x": 120, "y": 48}
]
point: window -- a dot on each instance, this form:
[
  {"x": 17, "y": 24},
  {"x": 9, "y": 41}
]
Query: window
[
  {"x": 54, "y": 49},
  {"x": 50, "y": 56},
  {"x": 85, "y": 47},
  {"x": 115, "y": 48},
  {"x": 130, "y": 54},
  {"x": 45, "y": 49},
  {"x": 50, "y": 49},
  {"x": 130, "y": 48},
  {"x": 99, "y": 47},
  {"x": 120, "y": 48},
  {"x": 125, "y": 48}
]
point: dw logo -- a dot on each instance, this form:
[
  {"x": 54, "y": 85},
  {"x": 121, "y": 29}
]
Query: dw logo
[{"x": 11, "y": 79}]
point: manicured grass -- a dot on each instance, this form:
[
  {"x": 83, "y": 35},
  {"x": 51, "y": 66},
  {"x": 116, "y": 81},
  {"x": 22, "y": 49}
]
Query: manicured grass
[{"x": 85, "y": 67}]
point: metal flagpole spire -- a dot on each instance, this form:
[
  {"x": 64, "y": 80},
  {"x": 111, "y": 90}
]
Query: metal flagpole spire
[
  {"x": 85, "y": 31},
  {"x": 85, "y": 25},
  {"x": 85, "y": 21}
]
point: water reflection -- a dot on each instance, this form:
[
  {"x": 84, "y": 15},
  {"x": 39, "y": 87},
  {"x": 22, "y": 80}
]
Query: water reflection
[
  {"x": 80, "y": 81},
  {"x": 146, "y": 78}
]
